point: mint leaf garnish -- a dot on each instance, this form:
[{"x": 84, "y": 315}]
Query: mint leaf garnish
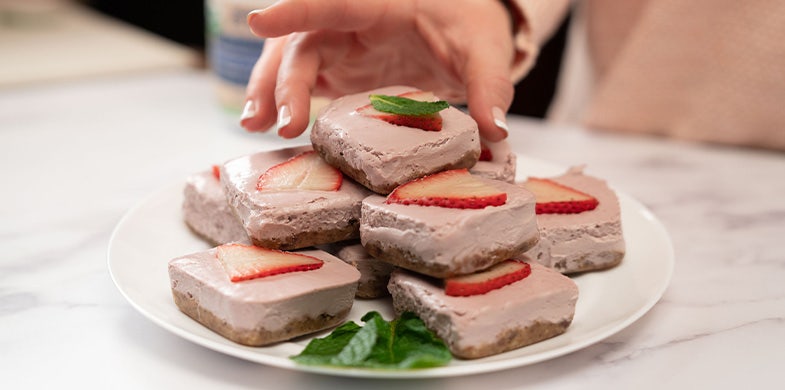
[
  {"x": 321, "y": 351},
  {"x": 405, "y": 106},
  {"x": 359, "y": 346},
  {"x": 399, "y": 344}
]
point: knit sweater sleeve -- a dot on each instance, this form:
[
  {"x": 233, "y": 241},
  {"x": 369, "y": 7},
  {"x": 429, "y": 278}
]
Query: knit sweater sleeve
[{"x": 534, "y": 22}]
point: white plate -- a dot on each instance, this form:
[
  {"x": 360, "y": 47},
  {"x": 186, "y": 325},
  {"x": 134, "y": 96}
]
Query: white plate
[{"x": 153, "y": 232}]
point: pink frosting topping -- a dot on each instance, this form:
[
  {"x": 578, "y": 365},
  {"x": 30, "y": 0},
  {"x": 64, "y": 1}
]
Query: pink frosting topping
[
  {"x": 390, "y": 153},
  {"x": 270, "y": 301},
  {"x": 287, "y": 211},
  {"x": 545, "y": 295}
]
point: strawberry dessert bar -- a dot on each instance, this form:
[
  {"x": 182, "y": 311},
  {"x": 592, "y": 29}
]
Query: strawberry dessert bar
[
  {"x": 414, "y": 136},
  {"x": 510, "y": 305},
  {"x": 497, "y": 161},
  {"x": 291, "y": 198},
  {"x": 449, "y": 223},
  {"x": 580, "y": 223},
  {"x": 374, "y": 273},
  {"x": 206, "y": 211},
  {"x": 256, "y": 296}
]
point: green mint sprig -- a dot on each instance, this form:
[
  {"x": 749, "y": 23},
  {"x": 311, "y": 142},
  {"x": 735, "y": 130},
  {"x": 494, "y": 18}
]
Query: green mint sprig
[
  {"x": 405, "y": 106},
  {"x": 403, "y": 343}
]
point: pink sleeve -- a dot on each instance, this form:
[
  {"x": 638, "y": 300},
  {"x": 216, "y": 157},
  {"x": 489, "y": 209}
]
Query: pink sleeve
[{"x": 536, "y": 20}]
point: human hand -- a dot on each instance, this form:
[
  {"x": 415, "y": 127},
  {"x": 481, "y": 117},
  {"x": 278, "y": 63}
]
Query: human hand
[{"x": 461, "y": 50}]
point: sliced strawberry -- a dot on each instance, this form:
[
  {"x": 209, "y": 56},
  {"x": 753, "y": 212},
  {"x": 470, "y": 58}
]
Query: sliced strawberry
[
  {"x": 431, "y": 122},
  {"x": 245, "y": 262},
  {"x": 456, "y": 188},
  {"x": 306, "y": 171},
  {"x": 555, "y": 198},
  {"x": 485, "y": 152},
  {"x": 217, "y": 172},
  {"x": 497, "y": 276}
]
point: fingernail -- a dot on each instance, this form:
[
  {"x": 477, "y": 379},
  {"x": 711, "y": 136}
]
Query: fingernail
[
  {"x": 257, "y": 11},
  {"x": 251, "y": 15},
  {"x": 284, "y": 116},
  {"x": 499, "y": 119},
  {"x": 249, "y": 111}
]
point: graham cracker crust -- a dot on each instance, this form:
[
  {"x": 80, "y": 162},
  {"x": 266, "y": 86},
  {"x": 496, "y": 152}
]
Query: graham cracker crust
[
  {"x": 590, "y": 262},
  {"x": 306, "y": 239},
  {"x": 372, "y": 289},
  {"x": 512, "y": 338},
  {"x": 258, "y": 336}
]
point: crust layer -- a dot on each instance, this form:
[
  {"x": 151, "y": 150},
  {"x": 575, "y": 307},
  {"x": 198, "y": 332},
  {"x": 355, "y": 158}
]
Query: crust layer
[
  {"x": 310, "y": 238},
  {"x": 258, "y": 336}
]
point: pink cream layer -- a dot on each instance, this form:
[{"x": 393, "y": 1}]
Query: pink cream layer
[
  {"x": 371, "y": 269},
  {"x": 389, "y": 153},
  {"x": 444, "y": 236},
  {"x": 567, "y": 241},
  {"x": 274, "y": 214},
  {"x": 206, "y": 211},
  {"x": 501, "y": 167},
  {"x": 270, "y": 302},
  {"x": 544, "y": 296}
]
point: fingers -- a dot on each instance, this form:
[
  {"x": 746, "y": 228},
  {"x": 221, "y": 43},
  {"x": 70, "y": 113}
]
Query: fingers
[
  {"x": 259, "y": 113},
  {"x": 280, "y": 85},
  {"x": 288, "y": 74},
  {"x": 489, "y": 98},
  {"x": 296, "y": 78},
  {"x": 288, "y": 16},
  {"x": 489, "y": 89}
]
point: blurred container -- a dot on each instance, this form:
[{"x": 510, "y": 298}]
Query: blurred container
[{"x": 232, "y": 50}]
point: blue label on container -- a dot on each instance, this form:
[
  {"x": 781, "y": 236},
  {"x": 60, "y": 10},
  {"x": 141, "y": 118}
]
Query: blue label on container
[{"x": 233, "y": 58}]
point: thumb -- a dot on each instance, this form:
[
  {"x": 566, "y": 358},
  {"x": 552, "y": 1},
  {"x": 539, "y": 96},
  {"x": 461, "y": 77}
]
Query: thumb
[
  {"x": 489, "y": 86},
  {"x": 489, "y": 94}
]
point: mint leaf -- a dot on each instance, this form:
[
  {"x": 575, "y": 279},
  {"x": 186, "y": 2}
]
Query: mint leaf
[
  {"x": 321, "y": 351},
  {"x": 412, "y": 335},
  {"x": 403, "y": 343},
  {"x": 405, "y": 106},
  {"x": 358, "y": 348}
]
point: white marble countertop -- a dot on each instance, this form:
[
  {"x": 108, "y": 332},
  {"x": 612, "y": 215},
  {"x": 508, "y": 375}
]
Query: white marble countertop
[{"x": 77, "y": 156}]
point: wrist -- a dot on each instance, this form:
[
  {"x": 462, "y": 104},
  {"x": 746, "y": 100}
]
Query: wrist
[{"x": 515, "y": 14}]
